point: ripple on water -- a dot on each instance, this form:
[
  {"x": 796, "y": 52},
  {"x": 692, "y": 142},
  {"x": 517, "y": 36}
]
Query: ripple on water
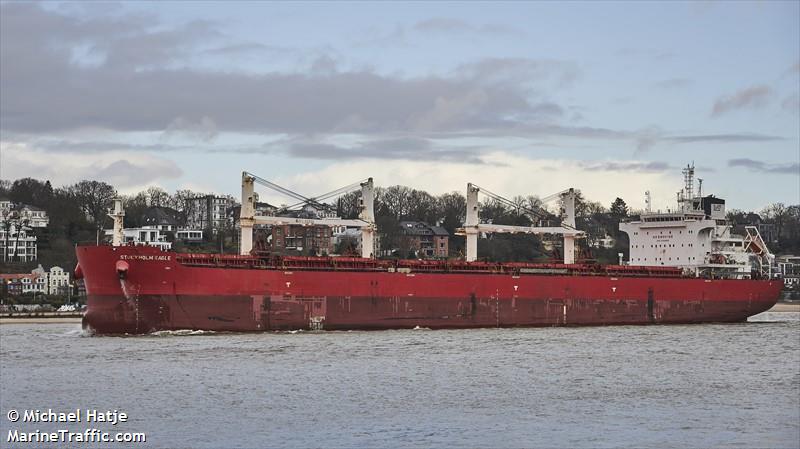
[{"x": 626, "y": 386}]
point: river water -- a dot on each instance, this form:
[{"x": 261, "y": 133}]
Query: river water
[{"x": 735, "y": 385}]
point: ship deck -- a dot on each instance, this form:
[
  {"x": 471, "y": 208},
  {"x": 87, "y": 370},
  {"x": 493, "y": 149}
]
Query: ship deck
[{"x": 295, "y": 263}]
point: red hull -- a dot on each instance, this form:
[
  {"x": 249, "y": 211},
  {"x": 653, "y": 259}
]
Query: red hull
[{"x": 141, "y": 289}]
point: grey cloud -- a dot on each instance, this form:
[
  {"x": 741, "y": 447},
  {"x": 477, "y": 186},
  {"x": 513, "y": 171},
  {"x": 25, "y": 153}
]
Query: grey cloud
[
  {"x": 791, "y": 104},
  {"x": 763, "y": 167},
  {"x": 642, "y": 167},
  {"x": 44, "y": 91},
  {"x": 72, "y": 146},
  {"x": 133, "y": 170},
  {"x": 649, "y": 53},
  {"x": 146, "y": 49},
  {"x": 448, "y": 25},
  {"x": 124, "y": 173},
  {"x": 750, "y": 98},
  {"x": 406, "y": 148},
  {"x": 722, "y": 138},
  {"x": 204, "y": 129},
  {"x": 674, "y": 83},
  {"x": 248, "y": 47},
  {"x": 521, "y": 71},
  {"x": 649, "y": 137}
]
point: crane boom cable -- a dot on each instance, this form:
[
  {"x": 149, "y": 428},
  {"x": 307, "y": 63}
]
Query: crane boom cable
[
  {"x": 332, "y": 193},
  {"x": 541, "y": 215},
  {"x": 277, "y": 188}
]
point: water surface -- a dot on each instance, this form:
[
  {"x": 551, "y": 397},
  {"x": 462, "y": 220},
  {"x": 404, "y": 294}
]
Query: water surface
[{"x": 734, "y": 385}]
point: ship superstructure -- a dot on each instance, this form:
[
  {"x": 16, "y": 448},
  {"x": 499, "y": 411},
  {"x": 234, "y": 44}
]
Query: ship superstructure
[{"x": 697, "y": 237}]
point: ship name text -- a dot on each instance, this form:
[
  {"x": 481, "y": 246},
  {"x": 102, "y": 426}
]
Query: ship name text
[{"x": 145, "y": 257}]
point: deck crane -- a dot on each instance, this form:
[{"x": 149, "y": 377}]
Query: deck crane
[
  {"x": 473, "y": 227},
  {"x": 248, "y": 218}
]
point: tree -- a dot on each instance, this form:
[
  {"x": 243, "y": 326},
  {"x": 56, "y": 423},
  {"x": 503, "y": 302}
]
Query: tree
[
  {"x": 452, "y": 209},
  {"x": 394, "y": 201},
  {"x": 619, "y": 209},
  {"x": 5, "y": 187},
  {"x": 22, "y": 225},
  {"x": 348, "y": 205},
  {"x": 31, "y": 191},
  {"x": 157, "y": 197},
  {"x": 94, "y": 198},
  {"x": 777, "y": 213}
]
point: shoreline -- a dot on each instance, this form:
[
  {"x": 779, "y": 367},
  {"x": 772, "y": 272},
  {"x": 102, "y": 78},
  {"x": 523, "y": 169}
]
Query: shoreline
[{"x": 779, "y": 307}]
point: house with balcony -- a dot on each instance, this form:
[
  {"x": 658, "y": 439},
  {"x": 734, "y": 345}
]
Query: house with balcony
[
  {"x": 17, "y": 244},
  {"x": 426, "y": 240}
]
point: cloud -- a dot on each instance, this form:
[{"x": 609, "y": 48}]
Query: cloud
[
  {"x": 400, "y": 148},
  {"x": 791, "y": 104},
  {"x": 204, "y": 129},
  {"x": 521, "y": 71},
  {"x": 649, "y": 137},
  {"x": 792, "y": 168},
  {"x": 242, "y": 48},
  {"x": 673, "y": 83},
  {"x": 626, "y": 166},
  {"x": 448, "y": 25},
  {"x": 124, "y": 169},
  {"x": 97, "y": 146},
  {"x": 502, "y": 173},
  {"x": 750, "y": 98},
  {"x": 141, "y": 81},
  {"x": 648, "y": 53},
  {"x": 722, "y": 138}
]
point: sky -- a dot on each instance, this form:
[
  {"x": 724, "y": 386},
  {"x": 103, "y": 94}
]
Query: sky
[{"x": 522, "y": 98}]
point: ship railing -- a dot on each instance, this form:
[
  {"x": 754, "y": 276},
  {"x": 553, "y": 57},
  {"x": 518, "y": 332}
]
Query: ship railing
[{"x": 422, "y": 266}]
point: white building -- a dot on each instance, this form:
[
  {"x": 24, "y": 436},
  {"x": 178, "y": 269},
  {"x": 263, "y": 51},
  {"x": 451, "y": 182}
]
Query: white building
[
  {"x": 34, "y": 284},
  {"x": 189, "y": 235},
  {"x": 58, "y": 281},
  {"x": 34, "y": 216},
  {"x": 17, "y": 246},
  {"x": 30, "y": 216},
  {"x": 146, "y": 235},
  {"x": 53, "y": 282},
  {"x": 210, "y": 212}
]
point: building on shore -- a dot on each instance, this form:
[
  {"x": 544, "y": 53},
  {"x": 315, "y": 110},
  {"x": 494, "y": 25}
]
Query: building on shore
[
  {"x": 18, "y": 223},
  {"x": 306, "y": 240},
  {"x": 210, "y": 212},
  {"x": 426, "y": 240},
  {"x": 55, "y": 281},
  {"x": 17, "y": 245}
]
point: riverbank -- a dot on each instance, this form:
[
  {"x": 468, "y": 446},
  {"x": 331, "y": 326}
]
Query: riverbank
[
  {"x": 40, "y": 317},
  {"x": 40, "y": 320}
]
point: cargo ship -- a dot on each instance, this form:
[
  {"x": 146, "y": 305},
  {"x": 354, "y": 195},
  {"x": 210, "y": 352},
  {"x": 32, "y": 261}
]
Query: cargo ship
[{"x": 134, "y": 289}]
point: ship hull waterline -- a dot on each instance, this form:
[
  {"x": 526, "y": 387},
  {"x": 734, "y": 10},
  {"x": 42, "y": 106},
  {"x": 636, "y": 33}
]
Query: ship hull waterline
[{"x": 135, "y": 290}]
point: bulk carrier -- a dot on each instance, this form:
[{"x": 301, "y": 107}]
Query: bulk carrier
[{"x": 138, "y": 289}]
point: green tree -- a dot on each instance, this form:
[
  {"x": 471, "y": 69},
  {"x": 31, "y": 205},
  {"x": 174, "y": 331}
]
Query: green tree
[{"x": 619, "y": 209}]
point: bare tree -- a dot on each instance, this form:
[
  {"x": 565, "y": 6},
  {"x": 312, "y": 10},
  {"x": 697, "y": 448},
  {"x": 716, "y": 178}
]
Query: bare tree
[
  {"x": 94, "y": 198},
  {"x": 157, "y": 197},
  {"x": 20, "y": 224}
]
